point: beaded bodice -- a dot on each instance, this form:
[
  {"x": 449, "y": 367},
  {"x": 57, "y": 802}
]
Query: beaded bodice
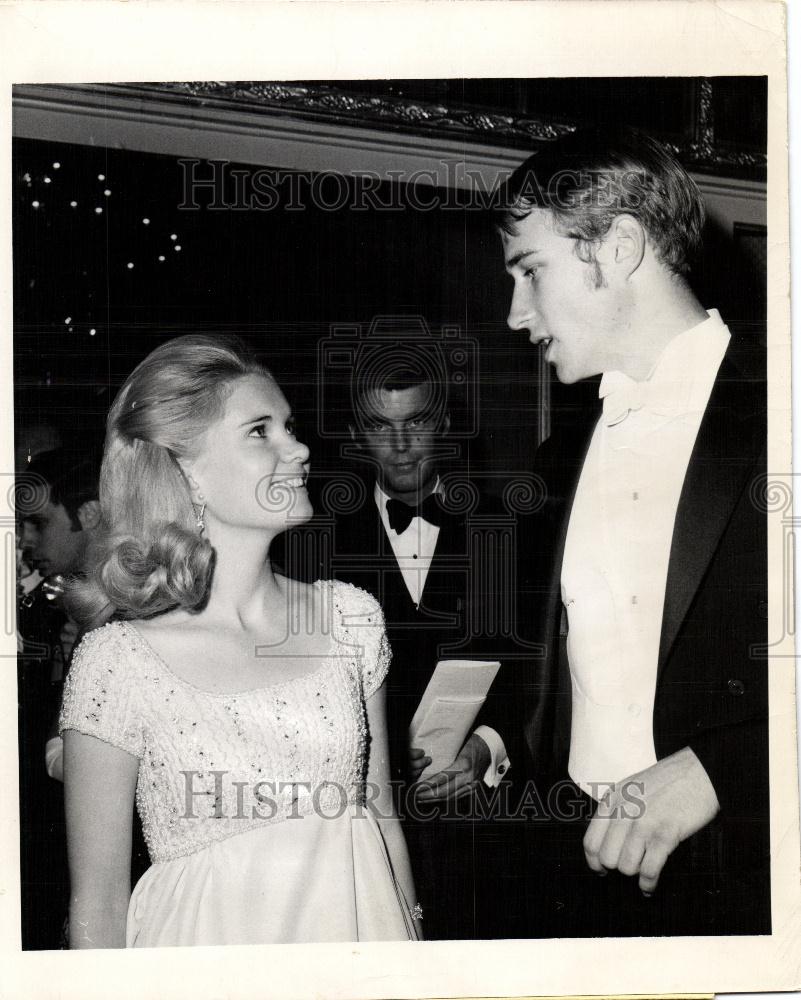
[{"x": 213, "y": 765}]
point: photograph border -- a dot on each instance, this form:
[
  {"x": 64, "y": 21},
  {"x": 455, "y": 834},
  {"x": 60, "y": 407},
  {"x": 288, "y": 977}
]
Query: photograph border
[{"x": 106, "y": 41}]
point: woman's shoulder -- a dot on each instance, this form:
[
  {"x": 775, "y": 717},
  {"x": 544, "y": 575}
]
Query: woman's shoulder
[
  {"x": 106, "y": 648},
  {"x": 354, "y": 600},
  {"x": 105, "y": 659},
  {"x": 102, "y": 689},
  {"x": 105, "y": 639},
  {"x": 167, "y": 623}
]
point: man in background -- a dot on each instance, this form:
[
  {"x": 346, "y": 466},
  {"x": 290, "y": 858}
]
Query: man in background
[
  {"x": 58, "y": 510},
  {"x": 426, "y": 560}
]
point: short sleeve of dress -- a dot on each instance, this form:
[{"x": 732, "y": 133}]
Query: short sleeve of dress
[
  {"x": 363, "y": 621},
  {"x": 100, "y": 692}
]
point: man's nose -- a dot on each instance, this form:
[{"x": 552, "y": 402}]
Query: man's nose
[
  {"x": 400, "y": 439},
  {"x": 27, "y": 538},
  {"x": 522, "y": 315}
]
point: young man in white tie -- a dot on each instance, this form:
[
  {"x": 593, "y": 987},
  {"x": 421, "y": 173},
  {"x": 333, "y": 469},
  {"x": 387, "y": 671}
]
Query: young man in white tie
[{"x": 647, "y": 567}]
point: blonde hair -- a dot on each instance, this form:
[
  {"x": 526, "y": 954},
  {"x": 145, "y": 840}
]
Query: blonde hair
[{"x": 148, "y": 555}]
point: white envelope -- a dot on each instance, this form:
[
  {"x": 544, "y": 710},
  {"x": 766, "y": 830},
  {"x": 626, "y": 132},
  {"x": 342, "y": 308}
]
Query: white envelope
[{"x": 448, "y": 709}]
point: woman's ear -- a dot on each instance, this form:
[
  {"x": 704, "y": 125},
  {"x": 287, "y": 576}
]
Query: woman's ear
[{"x": 194, "y": 487}]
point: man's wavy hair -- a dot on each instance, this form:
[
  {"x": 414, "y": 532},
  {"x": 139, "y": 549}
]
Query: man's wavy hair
[
  {"x": 70, "y": 475},
  {"x": 588, "y": 178},
  {"x": 399, "y": 364},
  {"x": 147, "y": 556}
]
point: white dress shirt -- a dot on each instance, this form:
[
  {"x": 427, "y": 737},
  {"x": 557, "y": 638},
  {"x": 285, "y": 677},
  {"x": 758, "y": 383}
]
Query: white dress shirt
[
  {"x": 413, "y": 548},
  {"x": 414, "y": 551},
  {"x": 617, "y": 551}
]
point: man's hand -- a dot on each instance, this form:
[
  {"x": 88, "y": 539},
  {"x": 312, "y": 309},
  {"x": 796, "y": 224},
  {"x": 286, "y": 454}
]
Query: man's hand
[
  {"x": 461, "y": 777},
  {"x": 418, "y": 762},
  {"x": 643, "y": 819}
]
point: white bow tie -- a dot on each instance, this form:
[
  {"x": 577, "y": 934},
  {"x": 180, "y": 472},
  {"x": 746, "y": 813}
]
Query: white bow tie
[{"x": 622, "y": 396}]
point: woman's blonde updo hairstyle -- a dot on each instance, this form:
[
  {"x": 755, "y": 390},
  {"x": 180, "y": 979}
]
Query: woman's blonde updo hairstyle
[{"x": 148, "y": 555}]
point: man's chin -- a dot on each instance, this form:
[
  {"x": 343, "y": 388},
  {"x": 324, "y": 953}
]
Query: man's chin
[
  {"x": 566, "y": 376},
  {"x": 408, "y": 484},
  {"x": 402, "y": 486}
]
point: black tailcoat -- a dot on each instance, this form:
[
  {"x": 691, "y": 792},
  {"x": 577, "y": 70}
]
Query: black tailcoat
[{"x": 712, "y": 681}]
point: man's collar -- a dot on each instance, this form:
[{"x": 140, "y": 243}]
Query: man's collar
[{"x": 668, "y": 385}]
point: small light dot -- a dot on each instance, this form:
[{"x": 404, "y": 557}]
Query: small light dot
[
  {"x": 56, "y": 165},
  {"x": 162, "y": 257},
  {"x": 73, "y": 204},
  {"x": 35, "y": 204},
  {"x": 71, "y": 329},
  {"x": 26, "y": 178},
  {"x": 177, "y": 246},
  {"x": 46, "y": 180},
  {"x": 92, "y": 332},
  {"x": 107, "y": 192},
  {"x": 68, "y": 320},
  {"x": 145, "y": 222},
  {"x": 173, "y": 236},
  {"x": 130, "y": 265},
  {"x": 101, "y": 177},
  {"x": 98, "y": 211}
]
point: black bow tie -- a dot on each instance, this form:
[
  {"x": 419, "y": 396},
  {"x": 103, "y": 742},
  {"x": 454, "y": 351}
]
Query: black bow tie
[{"x": 400, "y": 514}]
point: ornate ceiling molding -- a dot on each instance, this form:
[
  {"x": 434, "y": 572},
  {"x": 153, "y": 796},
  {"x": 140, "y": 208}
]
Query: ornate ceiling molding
[
  {"x": 320, "y": 127},
  {"x": 388, "y": 111},
  {"x": 490, "y": 126}
]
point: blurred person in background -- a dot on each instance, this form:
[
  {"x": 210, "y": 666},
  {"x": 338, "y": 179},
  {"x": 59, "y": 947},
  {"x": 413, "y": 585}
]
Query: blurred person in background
[{"x": 58, "y": 511}]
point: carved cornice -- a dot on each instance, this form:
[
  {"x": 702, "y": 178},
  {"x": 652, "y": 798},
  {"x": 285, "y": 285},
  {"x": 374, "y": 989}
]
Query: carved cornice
[
  {"x": 388, "y": 111},
  {"x": 487, "y": 126},
  {"x": 315, "y": 127}
]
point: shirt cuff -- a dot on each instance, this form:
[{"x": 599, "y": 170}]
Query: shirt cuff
[
  {"x": 54, "y": 758},
  {"x": 499, "y": 761}
]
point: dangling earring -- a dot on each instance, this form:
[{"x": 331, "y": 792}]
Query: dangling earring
[
  {"x": 201, "y": 500},
  {"x": 201, "y": 524}
]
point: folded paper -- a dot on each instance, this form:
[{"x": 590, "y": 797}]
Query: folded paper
[{"x": 448, "y": 709}]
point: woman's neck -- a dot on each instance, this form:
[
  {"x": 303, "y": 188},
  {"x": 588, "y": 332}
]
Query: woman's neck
[{"x": 244, "y": 585}]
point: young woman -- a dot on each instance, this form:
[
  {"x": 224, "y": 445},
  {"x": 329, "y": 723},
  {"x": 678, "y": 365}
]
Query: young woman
[{"x": 243, "y": 711}]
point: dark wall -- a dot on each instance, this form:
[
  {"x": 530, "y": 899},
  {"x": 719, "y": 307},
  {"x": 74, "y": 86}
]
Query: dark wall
[
  {"x": 282, "y": 270},
  {"x": 282, "y": 277}
]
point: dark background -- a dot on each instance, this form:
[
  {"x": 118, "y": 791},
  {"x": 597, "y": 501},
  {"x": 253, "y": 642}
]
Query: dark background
[{"x": 283, "y": 278}]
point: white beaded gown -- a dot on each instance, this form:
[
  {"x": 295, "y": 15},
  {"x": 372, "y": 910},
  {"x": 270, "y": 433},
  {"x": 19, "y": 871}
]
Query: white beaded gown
[{"x": 252, "y": 804}]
